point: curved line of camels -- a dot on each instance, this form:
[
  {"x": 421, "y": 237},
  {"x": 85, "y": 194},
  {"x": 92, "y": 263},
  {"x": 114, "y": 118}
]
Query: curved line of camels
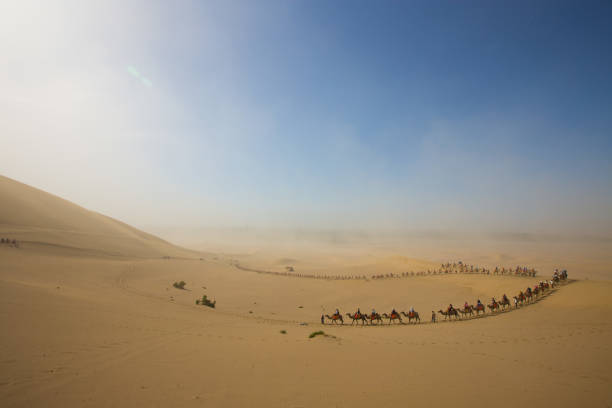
[
  {"x": 526, "y": 297},
  {"x": 445, "y": 269}
]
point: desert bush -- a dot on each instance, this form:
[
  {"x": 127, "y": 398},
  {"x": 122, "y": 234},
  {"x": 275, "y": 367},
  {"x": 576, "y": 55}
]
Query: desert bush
[
  {"x": 317, "y": 333},
  {"x": 283, "y": 331},
  {"x": 179, "y": 285},
  {"x": 206, "y": 302}
]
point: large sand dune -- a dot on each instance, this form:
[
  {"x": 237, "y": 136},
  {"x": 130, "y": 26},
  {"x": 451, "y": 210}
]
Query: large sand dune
[
  {"x": 43, "y": 220},
  {"x": 88, "y": 318}
]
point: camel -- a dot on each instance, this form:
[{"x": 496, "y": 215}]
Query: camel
[
  {"x": 504, "y": 303},
  {"x": 412, "y": 315},
  {"x": 493, "y": 306},
  {"x": 335, "y": 317},
  {"x": 374, "y": 317},
  {"x": 357, "y": 317},
  {"x": 467, "y": 311},
  {"x": 479, "y": 309},
  {"x": 449, "y": 314},
  {"x": 392, "y": 316}
]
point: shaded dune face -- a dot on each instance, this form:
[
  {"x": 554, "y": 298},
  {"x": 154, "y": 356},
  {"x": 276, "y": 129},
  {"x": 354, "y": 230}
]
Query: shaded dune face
[{"x": 49, "y": 223}]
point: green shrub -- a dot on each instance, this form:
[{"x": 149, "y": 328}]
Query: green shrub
[
  {"x": 206, "y": 302},
  {"x": 317, "y": 333},
  {"x": 179, "y": 285}
]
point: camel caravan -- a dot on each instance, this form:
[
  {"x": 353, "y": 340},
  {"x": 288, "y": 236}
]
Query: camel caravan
[
  {"x": 528, "y": 296},
  {"x": 9, "y": 242},
  {"x": 445, "y": 269},
  {"x": 460, "y": 267},
  {"x": 372, "y": 318}
]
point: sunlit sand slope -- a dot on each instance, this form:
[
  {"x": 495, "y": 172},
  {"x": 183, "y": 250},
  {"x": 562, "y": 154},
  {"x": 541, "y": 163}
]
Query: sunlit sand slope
[{"x": 48, "y": 223}]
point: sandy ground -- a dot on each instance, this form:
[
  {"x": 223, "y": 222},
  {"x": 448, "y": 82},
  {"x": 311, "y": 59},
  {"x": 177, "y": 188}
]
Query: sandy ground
[
  {"x": 99, "y": 332},
  {"x": 81, "y": 326}
]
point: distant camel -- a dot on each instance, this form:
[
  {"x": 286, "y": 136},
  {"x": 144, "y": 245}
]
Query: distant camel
[
  {"x": 504, "y": 303},
  {"x": 357, "y": 317},
  {"x": 449, "y": 314},
  {"x": 467, "y": 311},
  {"x": 479, "y": 308},
  {"x": 412, "y": 315},
  {"x": 536, "y": 291},
  {"x": 375, "y": 317},
  {"x": 493, "y": 306},
  {"x": 334, "y": 318},
  {"x": 392, "y": 317}
]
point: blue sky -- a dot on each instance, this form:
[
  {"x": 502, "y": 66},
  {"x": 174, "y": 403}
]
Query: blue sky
[{"x": 404, "y": 115}]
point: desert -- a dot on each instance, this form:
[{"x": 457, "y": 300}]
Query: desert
[
  {"x": 306, "y": 203},
  {"x": 85, "y": 327}
]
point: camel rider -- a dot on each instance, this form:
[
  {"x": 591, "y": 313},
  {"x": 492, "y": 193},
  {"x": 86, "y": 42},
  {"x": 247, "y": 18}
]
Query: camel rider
[
  {"x": 374, "y": 312},
  {"x": 493, "y": 301},
  {"x": 393, "y": 312},
  {"x": 337, "y": 312},
  {"x": 466, "y": 306},
  {"x": 450, "y": 307},
  {"x": 479, "y": 303},
  {"x": 411, "y": 311},
  {"x": 358, "y": 313},
  {"x": 505, "y": 298}
]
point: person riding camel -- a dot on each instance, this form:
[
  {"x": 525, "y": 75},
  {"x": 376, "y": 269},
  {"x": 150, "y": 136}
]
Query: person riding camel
[
  {"x": 493, "y": 301},
  {"x": 374, "y": 312},
  {"x": 466, "y": 306},
  {"x": 505, "y": 298},
  {"x": 393, "y": 312},
  {"x": 450, "y": 308},
  {"x": 337, "y": 312},
  {"x": 358, "y": 312},
  {"x": 411, "y": 311},
  {"x": 478, "y": 303}
]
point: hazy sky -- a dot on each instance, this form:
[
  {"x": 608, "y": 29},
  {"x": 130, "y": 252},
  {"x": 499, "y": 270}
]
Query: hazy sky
[{"x": 394, "y": 114}]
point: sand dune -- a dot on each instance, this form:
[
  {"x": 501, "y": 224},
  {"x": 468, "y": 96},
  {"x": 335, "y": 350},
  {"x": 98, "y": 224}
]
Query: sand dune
[
  {"x": 45, "y": 221},
  {"x": 81, "y": 329}
]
